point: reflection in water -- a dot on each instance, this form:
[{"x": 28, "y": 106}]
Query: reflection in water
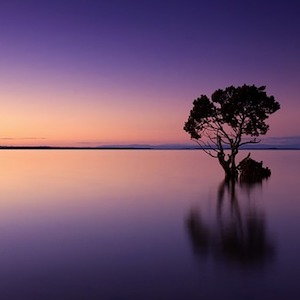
[{"x": 239, "y": 234}]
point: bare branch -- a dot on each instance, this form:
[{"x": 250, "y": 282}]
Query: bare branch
[
  {"x": 254, "y": 141},
  {"x": 206, "y": 148}
]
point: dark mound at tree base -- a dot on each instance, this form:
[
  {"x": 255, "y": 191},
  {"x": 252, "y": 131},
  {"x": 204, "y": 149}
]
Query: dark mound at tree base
[{"x": 253, "y": 171}]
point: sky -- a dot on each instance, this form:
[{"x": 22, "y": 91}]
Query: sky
[{"x": 92, "y": 72}]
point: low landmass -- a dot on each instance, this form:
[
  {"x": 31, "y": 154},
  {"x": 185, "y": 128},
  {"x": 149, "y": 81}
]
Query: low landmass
[{"x": 146, "y": 147}]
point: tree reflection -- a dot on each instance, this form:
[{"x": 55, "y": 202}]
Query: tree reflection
[{"x": 238, "y": 235}]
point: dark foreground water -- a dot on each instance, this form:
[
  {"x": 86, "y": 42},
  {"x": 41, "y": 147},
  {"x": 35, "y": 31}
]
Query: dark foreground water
[{"x": 146, "y": 225}]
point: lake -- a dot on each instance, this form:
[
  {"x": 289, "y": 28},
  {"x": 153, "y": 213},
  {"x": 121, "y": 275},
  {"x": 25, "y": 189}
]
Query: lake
[{"x": 146, "y": 224}]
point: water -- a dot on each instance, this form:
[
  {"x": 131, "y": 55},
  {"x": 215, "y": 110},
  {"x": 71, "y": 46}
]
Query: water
[{"x": 142, "y": 224}]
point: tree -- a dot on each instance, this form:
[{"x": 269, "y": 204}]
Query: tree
[{"x": 230, "y": 119}]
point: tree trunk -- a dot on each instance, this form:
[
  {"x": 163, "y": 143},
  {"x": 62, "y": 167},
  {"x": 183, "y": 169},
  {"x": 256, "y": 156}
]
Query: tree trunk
[
  {"x": 229, "y": 166},
  {"x": 233, "y": 168},
  {"x": 231, "y": 174},
  {"x": 225, "y": 164}
]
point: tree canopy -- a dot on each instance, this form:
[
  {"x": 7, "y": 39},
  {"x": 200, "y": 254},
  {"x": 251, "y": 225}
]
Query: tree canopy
[{"x": 232, "y": 117}]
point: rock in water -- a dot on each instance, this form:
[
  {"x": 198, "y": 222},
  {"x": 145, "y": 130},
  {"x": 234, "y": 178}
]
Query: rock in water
[{"x": 253, "y": 171}]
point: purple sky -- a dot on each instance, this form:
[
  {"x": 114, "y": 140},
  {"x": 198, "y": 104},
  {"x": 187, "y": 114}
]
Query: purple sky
[{"x": 99, "y": 72}]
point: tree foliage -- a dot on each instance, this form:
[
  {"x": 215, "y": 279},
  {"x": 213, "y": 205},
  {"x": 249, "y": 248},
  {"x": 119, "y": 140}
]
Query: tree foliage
[{"x": 232, "y": 117}]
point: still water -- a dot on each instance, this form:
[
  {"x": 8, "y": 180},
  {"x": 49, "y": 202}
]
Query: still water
[{"x": 142, "y": 224}]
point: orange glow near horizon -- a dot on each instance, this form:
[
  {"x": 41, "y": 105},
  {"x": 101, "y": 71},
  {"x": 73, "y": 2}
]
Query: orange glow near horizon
[
  {"x": 53, "y": 112},
  {"x": 64, "y": 119},
  {"x": 71, "y": 78},
  {"x": 63, "y": 113}
]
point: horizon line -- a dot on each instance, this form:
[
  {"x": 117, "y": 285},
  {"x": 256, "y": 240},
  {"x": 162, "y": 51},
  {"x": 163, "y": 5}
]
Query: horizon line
[{"x": 145, "y": 147}]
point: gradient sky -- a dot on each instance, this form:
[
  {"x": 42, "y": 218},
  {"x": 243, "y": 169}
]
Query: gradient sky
[{"x": 92, "y": 72}]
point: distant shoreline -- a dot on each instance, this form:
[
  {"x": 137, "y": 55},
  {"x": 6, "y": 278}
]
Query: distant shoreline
[{"x": 130, "y": 148}]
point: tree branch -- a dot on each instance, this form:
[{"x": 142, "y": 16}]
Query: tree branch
[
  {"x": 254, "y": 141},
  {"x": 206, "y": 148}
]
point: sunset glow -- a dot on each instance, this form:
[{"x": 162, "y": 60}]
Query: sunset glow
[{"x": 91, "y": 73}]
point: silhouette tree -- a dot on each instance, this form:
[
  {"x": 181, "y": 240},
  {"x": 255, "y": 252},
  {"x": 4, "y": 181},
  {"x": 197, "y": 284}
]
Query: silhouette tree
[{"x": 227, "y": 119}]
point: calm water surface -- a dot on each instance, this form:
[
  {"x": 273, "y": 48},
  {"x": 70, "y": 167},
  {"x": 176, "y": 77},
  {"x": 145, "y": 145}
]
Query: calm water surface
[{"x": 146, "y": 225}]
